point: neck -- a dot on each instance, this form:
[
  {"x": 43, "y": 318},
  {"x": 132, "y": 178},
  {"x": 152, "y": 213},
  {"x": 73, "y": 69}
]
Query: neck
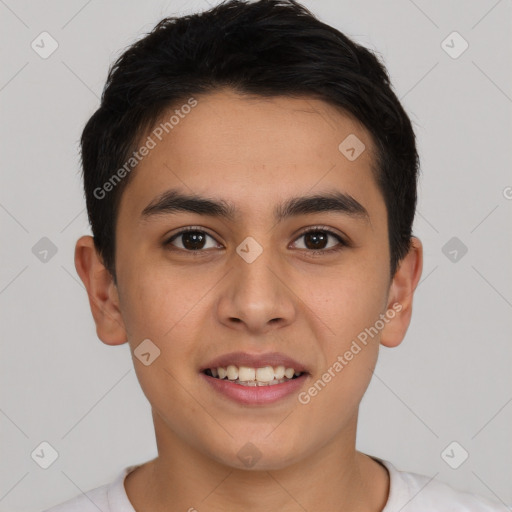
[{"x": 335, "y": 477}]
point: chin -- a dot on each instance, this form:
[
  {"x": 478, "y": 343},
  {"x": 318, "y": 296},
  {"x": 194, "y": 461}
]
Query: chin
[{"x": 259, "y": 454}]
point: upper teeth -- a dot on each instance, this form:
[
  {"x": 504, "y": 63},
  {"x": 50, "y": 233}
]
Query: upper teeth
[{"x": 247, "y": 374}]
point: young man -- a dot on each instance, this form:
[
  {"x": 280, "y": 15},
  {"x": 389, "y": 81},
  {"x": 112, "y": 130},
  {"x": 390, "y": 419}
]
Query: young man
[{"x": 250, "y": 180}]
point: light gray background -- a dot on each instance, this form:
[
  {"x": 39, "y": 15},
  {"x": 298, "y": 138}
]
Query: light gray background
[{"x": 450, "y": 380}]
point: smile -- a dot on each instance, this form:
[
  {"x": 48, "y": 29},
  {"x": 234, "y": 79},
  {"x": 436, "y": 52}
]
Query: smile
[{"x": 247, "y": 376}]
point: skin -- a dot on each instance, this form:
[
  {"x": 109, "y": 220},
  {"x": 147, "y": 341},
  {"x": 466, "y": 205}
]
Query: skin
[{"x": 254, "y": 152}]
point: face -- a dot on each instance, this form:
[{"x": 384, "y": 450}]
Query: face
[{"x": 259, "y": 280}]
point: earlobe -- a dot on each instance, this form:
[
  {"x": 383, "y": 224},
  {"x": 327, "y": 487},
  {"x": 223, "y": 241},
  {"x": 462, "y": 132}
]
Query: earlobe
[
  {"x": 102, "y": 292},
  {"x": 401, "y": 294}
]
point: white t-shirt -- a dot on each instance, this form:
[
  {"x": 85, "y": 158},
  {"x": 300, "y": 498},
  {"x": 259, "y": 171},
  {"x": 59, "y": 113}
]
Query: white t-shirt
[{"x": 408, "y": 492}]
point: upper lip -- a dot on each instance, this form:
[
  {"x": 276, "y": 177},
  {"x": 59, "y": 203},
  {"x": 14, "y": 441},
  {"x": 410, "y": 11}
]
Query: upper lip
[{"x": 255, "y": 361}]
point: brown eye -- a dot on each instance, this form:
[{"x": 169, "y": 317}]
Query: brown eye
[
  {"x": 317, "y": 240},
  {"x": 191, "y": 240}
]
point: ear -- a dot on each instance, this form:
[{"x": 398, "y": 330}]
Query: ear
[
  {"x": 102, "y": 292},
  {"x": 401, "y": 293}
]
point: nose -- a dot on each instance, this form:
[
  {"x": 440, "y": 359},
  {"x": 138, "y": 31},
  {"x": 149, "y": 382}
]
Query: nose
[{"x": 256, "y": 296}]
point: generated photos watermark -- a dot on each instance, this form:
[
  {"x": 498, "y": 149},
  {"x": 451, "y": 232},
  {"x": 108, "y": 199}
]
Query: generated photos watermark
[
  {"x": 150, "y": 143},
  {"x": 305, "y": 397}
]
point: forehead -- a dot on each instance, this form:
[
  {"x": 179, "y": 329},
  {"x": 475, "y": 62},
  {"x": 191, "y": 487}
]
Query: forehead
[{"x": 249, "y": 150}]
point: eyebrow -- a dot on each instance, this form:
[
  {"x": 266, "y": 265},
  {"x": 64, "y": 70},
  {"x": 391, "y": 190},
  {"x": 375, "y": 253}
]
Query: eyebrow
[{"x": 174, "y": 201}]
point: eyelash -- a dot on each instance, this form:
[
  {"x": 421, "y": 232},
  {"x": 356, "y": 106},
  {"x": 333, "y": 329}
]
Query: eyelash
[{"x": 342, "y": 243}]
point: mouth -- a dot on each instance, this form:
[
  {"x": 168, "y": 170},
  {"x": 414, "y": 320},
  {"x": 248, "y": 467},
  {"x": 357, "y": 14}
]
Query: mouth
[
  {"x": 251, "y": 376},
  {"x": 254, "y": 379}
]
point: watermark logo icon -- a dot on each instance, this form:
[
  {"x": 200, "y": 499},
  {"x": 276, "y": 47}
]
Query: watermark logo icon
[
  {"x": 44, "y": 455},
  {"x": 44, "y": 250},
  {"x": 352, "y": 147},
  {"x": 44, "y": 45},
  {"x": 146, "y": 352},
  {"x": 249, "y": 455},
  {"x": 454, "y": 45},
  {"x": 454, "y": 249},
  {"x": 454, "y": 455},
  {"x": 249, "y": 249}
]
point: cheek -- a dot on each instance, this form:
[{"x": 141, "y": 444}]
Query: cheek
[
  {"x": 345, "y": 301},
  {"x": 155, "y": 305},
  {"x": 163, "y": 310},
  {"x": 350, "y": 308}
]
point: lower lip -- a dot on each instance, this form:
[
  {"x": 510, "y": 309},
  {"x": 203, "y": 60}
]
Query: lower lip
[{"x": 255, "y": 395}]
